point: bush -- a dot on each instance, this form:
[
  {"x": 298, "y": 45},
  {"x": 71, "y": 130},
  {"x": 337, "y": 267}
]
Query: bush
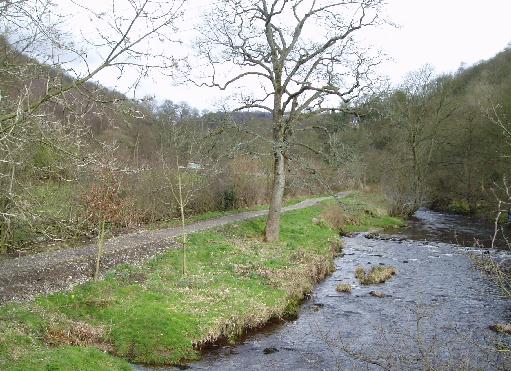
[
  {"x": 107, "y": 200},
  {"x": 334, "y": 217},
  {"x": 229, "y": 199},
  {"x": 248, "y": 180},
  {"x": 459, "y": 207}
]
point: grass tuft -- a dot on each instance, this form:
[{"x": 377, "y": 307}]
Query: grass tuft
[
  {"x": 344, "y": 287},
  {"x": 377, "y": 274}
]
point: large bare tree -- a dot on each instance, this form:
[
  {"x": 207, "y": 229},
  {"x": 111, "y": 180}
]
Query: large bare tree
[{"x": 300, "y": 56}]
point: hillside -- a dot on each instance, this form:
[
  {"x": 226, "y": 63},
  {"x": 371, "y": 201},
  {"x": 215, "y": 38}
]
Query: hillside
[
  {"x": 436, "y": 140},
  {"x": 91, "y": 154}
]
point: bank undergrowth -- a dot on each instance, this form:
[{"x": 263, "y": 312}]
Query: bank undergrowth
[{"x": 155, "y": 315}]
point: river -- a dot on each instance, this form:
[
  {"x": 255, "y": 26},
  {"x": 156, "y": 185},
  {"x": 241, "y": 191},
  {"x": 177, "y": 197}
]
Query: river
[{"x": 436, "y": 312}]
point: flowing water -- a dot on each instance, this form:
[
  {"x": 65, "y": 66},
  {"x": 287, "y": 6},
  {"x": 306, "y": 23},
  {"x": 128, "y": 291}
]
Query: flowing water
[
  {"x": 435, "y": 314},
  {"x": 456, "y": 229}
]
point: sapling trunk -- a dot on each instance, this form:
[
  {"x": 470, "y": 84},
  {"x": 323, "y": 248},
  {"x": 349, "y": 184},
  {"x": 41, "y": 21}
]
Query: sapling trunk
[
  {"x": 101, "y": 244},
  {"x": 182, "y": 210}
]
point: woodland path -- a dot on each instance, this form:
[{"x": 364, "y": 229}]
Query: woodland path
[{"x": 25, "y": 277}]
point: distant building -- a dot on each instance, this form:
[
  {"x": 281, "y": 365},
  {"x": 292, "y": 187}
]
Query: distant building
[{"x": 192, "y": 166}]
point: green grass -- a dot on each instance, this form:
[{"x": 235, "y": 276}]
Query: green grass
[
  {"x": 367, "y": 211},
  {"x": 219, "y": 213},
  {"x": 155, "y": 315}
]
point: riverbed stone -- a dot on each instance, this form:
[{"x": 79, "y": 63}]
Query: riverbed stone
[
  {"x": 270, "y": 350},
  {"x": 377, "y": 294}
]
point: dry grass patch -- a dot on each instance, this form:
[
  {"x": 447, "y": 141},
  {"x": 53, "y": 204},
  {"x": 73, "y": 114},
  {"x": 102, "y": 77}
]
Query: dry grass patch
[
  {"x": 75, "y": 333},
  {"x": 344, "y": 287},
  {"x": 377, "y": 274},
  {"x": 360, "y": 272}
]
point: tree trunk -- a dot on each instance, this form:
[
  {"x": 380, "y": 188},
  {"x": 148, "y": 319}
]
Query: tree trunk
[{"x": 279, "y": 178}]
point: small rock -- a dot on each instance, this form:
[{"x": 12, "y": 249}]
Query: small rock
[
  {"x": 377, "y": 294},
  {"x": 501, "y": 328},
  {"x": 270, "y": 350},
  {"x": 289, "y": 349}
]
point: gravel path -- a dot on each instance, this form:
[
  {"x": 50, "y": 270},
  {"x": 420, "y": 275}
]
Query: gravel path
[{"x": 25, "y": 277}]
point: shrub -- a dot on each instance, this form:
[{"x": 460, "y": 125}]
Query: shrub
[
  {"x": 248, "y": 181},
  {"x": 229, "y": 199},
  {"x": 459, "y": 207},
  {"x": 334, "y": 217},
  {"x": 106, "y": 200}
]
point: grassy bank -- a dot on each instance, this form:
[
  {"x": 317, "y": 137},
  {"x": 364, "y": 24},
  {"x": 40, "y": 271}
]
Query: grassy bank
[{"x": 155, "y": 315}]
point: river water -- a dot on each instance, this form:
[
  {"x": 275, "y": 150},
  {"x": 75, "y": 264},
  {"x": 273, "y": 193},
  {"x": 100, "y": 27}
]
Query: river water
[{"x": 435, "y": 314}]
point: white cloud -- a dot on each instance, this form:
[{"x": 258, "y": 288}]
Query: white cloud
[{"x": 443, "y": 33}]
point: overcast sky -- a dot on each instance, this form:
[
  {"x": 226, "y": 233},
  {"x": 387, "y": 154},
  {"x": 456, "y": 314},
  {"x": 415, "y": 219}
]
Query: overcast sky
[{"x": 443, "y": 33}]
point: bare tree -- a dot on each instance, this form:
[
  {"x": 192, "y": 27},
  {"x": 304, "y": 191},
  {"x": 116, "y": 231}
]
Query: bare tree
[
  {"x": 303, "y": 56},
  {"x": 121, "y": 38},
  {"x": 186, "y": 163},
  {"x": 47, "y": 89},
  {"x": 502, "y": 192},
  {"x": 420, "y": 107}
]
